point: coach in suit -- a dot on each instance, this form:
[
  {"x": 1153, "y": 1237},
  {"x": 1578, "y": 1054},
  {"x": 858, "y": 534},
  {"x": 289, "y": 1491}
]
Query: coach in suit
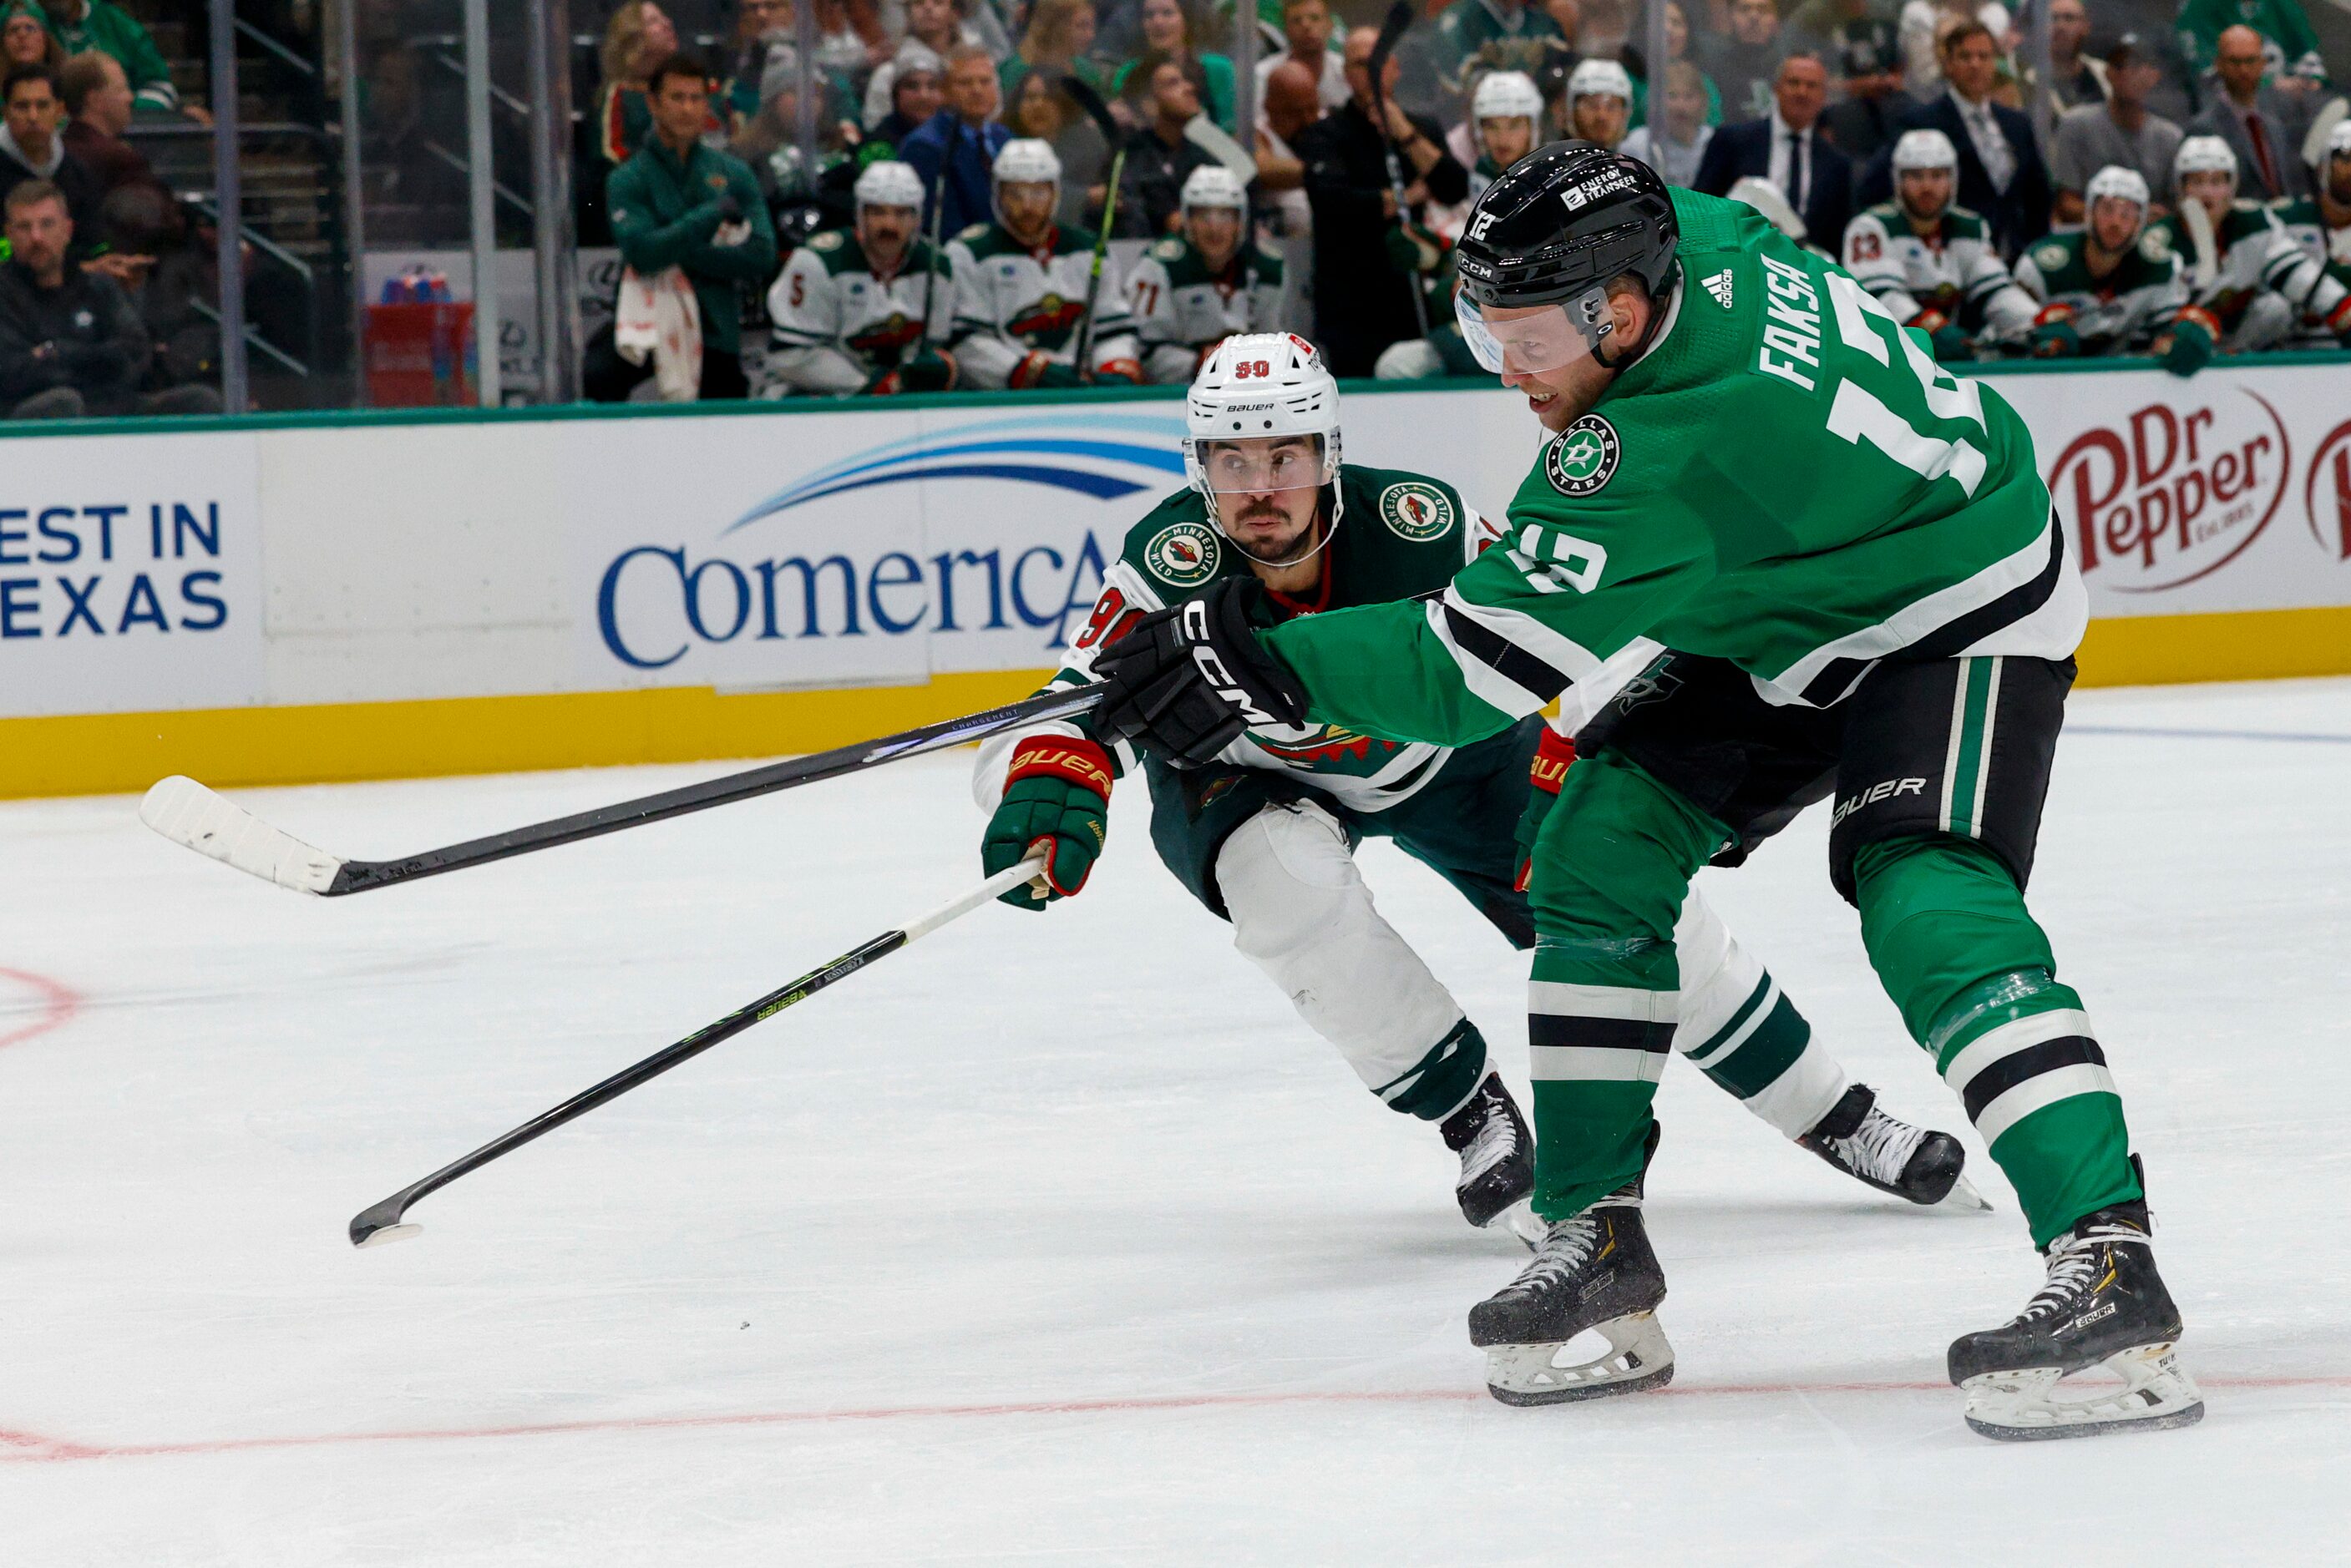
[
  {"x": 2262, "y": 126},
  {"x": 2001, "y": 176},
  {"x": 1788, "y": 151}
]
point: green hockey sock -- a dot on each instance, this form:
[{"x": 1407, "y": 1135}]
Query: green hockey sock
[
  {"x": 1612, "y": 867},
  {"x": 1951, "y": 939}
]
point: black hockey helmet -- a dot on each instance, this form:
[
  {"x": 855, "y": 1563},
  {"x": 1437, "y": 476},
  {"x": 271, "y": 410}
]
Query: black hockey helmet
[{"x": 1563, "y": 218}]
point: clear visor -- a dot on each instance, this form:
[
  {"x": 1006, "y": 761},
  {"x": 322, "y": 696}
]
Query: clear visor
[
  {"x": 1529, "y": 342},
  {"x": 1261, "y": 464}
]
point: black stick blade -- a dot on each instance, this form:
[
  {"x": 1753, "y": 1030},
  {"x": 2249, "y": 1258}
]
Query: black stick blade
[
  {"x": 1082, "y": 94},
  {"x": 381, "y": 1223},
  {"x": 1392, "y": 27}
]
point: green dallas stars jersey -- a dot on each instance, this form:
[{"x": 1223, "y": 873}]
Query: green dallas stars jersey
[
  {"x": 1399, "y": 535},
  {"x": 1786, "y": 480},
  {"x": 2120, "y": 311}
]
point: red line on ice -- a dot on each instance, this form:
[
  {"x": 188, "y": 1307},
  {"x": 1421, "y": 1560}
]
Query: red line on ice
[
  {"x": 59, "y": 1004},
  {"x": 18, "y": 1448}
]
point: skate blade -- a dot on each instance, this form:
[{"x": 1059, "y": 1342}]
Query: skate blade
[
  {"x": 2156, "y": 1394},
  {"x": 1963, "y": 1198},
  {"x": 1519, "y": 1220},
  {"x": 1638, "y": 1358}
]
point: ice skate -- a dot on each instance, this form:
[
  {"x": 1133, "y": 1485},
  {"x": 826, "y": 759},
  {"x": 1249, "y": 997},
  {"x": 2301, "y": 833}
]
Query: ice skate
[
  {"x": 1889, "y": 1154},
  {"x": 1592, "y": 1271},
  {"x": 2104, "y": 1302},
  {"x": 1498, "y": 1159}
]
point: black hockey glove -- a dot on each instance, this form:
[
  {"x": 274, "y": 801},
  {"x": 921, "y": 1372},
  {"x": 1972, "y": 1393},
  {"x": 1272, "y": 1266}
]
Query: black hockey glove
[{"x": 1184, "y": 682}]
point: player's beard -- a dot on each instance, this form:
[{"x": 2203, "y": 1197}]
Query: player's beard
[{"x": 1301, "y": 544}]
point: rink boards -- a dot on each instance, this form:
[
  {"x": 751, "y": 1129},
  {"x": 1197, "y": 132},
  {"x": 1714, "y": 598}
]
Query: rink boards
[{"x": 276, "y": 599}]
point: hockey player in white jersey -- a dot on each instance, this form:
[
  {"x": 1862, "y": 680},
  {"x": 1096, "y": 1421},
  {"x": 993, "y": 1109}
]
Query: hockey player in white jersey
[
  {"x": 1931, "y": 261},
  {"x": 1020, "y": 287},
  {"x": 2225, "y": 246},
  {"x": 1265, "y": 838},
  {"x": 1505, "y": 112},
  {"x": 1194, "y": 289},
  {"x": 2101, "y": 290},
  {"x": 2316, "y": 278},
  {"x": 859, "y": 311}
]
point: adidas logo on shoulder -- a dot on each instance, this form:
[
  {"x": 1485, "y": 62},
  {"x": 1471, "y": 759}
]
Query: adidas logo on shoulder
[{"x": 1718, "y": 285}]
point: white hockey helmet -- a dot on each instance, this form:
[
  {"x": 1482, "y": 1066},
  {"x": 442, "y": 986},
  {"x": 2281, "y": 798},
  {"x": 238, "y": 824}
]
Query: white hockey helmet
[
  {"x": 2114, "y": 179},
  {"x": 1926, "y": 149},
  {"x": 888, "y": 183},
  {"x": 1213, "y": 185},
  {"x": 1258, "y": 384},
  {"x": 1508, "y": 95},
  {"x": 1599, "y": 79},
  {"x": 2339, "y": 141},
  {"x": 2204, "y": 155}
]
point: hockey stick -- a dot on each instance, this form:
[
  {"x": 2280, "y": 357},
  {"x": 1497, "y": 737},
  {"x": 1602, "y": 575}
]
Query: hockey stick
[
  {"x": 382, "y": 1221},
  {"x": 1392, "y": 28},
  {"x": 186, "y": 813},
  {"x": 931, "y": 275},
  {"x": 1211, "y": 139},
  {"x": 1086, "y": 99}
]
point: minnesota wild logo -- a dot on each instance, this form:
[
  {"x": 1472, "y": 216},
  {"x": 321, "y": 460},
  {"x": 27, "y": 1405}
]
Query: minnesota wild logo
[
  {"x": 1047, "y": 322},
  {"x": 1183, "y": 554},
  {"x": 1416, "y": 511},
  {"x": 1583, "y": 457}
]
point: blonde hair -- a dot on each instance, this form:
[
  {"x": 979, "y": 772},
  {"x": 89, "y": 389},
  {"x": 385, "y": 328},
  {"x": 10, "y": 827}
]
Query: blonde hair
[
  {"x": 1046, "y": 40},
  {"x": 622, "y": 34}
]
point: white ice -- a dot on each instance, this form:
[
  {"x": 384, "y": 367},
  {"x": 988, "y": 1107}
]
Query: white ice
[{"x": 1056, "y": 1238}]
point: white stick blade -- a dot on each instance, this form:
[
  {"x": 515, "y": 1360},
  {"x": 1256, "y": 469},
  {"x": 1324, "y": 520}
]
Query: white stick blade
[{"x": 186, "y": 813}]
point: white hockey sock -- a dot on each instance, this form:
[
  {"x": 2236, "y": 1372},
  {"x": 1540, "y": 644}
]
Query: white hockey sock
[{"x": 1739, "y": 1030}]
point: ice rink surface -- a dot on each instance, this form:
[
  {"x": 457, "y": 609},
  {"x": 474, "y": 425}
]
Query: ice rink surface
[{"x": 1057, "y": 1238}]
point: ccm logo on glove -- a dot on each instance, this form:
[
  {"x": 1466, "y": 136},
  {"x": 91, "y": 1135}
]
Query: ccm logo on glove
[{"x": 1212, "y": 666}]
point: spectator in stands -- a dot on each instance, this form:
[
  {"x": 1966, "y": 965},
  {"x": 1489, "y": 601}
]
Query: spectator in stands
[
  {"x": 1306, "y": 30},
  {"x": 1290, "y": 103},
  {"x": 97, "y": 97},
  {"x": 2001, "y": 176},
  {"x": 71, "y": 344},
  {"x": 1058, "y": 41},
  {"x": 2289, "y": 46},
  {"x": 1475, "y": 35},
  {"x": 32, "y": 147},
  {"x": 916, "y": 92},
  {"x": 680, "y": 202},
  {"x": 1363, "y": 298},
  {"x": 637, "y": 38},
  {"x": 1678, "y": 49},
  {"x": 1042, "y": 111},
  {"x": 82, "y": 26},
  {"x": 1675, "y": 144},
  {"x": 1168, "y": 29},
  {"x": 2121, "y": 133},
  {"x": 1926, "y": 27},
  {"x": 1745, "y": 62},
  {"x": 1599, "y": 101},
  {"x": 26, "y": 38},
  {"x": 1158, "y": 156},
  {"x": 2074, "y": 77},
  {"x": 1788, "y": 152},
  {"x": 758, "y": 24},
  {"x": 954, "y": 151},
  {"x": 1864, "y": 118},
  {"x": 933, "y": 28},
  {"x": 2262, "y": 126},
  {"x": 178, "y": 300}
]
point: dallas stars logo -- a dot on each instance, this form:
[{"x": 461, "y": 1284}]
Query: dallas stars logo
[
  {"x": 1718, "y": 285},
  {"x": 1583, "y": 457}
]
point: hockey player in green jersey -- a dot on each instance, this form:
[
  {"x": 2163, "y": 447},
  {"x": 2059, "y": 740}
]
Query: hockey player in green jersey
[
  {"x": 1264, "y": 837},
  {"x": 1193, "y": 290},
  {"x": 2225, "y": 246},
  {"x": 1852, "y": 556},
  {"x": 1504, "y": 113},
  {"x": 1020, "y": 287},
  {"x": 2099, "y": 289},
  {"x": 1929, "y": 260},
  {"x": 2316, "y": 279},
  {"x": 848, "y": 310}
]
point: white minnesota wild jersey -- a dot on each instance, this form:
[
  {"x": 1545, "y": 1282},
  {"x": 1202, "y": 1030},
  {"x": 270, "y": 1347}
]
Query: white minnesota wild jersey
[
  {"x": 837, "y": 325},
  {"x": 1182, "y": 308},
  {"x": 1012, "y": 303},
  {"x": 1952, "y": 269}
]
